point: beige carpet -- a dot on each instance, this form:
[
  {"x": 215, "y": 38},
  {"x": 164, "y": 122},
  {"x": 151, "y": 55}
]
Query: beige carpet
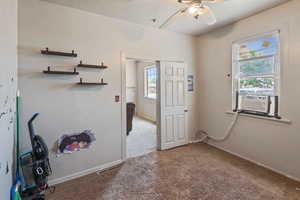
[
  {"x": 193, "y": 172},
  {"x": 142, "y": 138}
]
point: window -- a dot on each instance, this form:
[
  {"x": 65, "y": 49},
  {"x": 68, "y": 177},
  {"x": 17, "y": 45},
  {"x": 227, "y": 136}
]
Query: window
[
  {"x": 256, "y": 66},
  {"x": 150, "y": 82}
]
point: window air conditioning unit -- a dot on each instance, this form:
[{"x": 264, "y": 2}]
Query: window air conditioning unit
[
  {"x": 257, "y": 105},
  {"x": 254, "y": 103}
]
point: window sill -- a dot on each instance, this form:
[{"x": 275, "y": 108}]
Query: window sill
[{"x": 283, "y": 120}]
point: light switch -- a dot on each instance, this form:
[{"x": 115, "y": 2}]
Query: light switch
[{"x": 117, "y": 98}]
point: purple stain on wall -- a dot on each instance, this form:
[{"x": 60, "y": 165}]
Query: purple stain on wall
[
  {"x": 2, "y": 114},
  {"x": 75, "y": 142}
]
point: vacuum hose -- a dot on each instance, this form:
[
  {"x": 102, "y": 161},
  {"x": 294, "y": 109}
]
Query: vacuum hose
[
  {"x": 30, "y": 127},
  {"x": 228, "y": 132}
]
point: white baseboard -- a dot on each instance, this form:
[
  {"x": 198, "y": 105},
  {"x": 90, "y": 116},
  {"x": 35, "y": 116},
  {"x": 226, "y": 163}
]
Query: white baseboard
[
  {"x": 84, "y": 173},
  {"x": 112, "y": 164},
  {"x": 203, "y": 139},
  {"x": 255, "y": 162},
  {"x": 148, "y": 118}
]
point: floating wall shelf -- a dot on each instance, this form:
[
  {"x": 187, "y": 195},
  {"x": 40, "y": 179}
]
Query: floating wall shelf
[
  {"x": 91, "y": 83},
  {"x": 57, "y": 53},
  {"x": 48, "y": 71},
  {"x": 102, "y": 66}
]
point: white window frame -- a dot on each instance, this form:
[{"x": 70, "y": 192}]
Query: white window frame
[
  {"x": 236, "y": 64},
  {"x": 146, "y": 95}
]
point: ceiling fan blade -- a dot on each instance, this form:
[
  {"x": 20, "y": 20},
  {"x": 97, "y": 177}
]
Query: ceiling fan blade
[
  {"x": 207, "y": 16},
  {"x": 172, "y": 17}
]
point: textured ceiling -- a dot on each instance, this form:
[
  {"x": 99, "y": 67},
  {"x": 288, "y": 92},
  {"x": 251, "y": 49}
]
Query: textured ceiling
[{"x": 143, "y": 11}]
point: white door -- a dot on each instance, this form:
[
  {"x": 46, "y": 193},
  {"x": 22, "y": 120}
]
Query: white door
[{"x": 171, "y": 108}]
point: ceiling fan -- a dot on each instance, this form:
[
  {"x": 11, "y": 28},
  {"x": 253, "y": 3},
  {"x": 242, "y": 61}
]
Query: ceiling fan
[{"x": 197, "y": 9}]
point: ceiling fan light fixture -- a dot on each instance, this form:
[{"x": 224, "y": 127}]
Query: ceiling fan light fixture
[
  {"x": 213, "y": 1},
  {"x": 193, "y": 9},
  {"x": 201, "y": 11},
  {"x": 196, "y": 10}
]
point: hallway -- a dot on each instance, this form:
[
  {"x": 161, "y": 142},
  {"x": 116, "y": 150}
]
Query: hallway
[{"x": 142, "y": 138}]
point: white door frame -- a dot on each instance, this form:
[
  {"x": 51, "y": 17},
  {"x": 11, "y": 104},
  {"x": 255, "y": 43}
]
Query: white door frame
[{"x": 124, "y": 58}]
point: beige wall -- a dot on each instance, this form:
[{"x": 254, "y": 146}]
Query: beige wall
[
  {"x": 131, "y": 81},
  {"x": 65, "y": 107},
  {"x": 272, "y": 144},
  {"x": 8, "y": 83}
]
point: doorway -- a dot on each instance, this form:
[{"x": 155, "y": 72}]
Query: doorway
[
  {"x": 168, "y": 110},
  {"x": 141, "y": 105}
]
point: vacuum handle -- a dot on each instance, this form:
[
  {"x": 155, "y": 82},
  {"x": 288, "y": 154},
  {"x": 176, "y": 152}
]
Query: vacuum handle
[{"x": 30, "y": 127}]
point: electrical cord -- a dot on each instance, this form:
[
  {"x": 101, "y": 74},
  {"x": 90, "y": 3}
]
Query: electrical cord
[{"x": 227, "y": 134}]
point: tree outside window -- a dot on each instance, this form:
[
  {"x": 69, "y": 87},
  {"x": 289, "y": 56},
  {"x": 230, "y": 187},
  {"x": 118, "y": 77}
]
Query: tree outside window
[
  {"x": 256, "y": 65},
  {"x": 150, "y": 82}
]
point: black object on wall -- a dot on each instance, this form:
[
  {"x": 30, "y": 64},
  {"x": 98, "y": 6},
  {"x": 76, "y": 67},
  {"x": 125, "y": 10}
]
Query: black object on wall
[
  {"x": 81, "y": 82},
  {"x": 130, "y": 110},
  {"x": 276, "y": 114},
  {"x": 102, "y": 66},
  {"x": 58, "y": 53},
  {"x": 49, "y": 71}
]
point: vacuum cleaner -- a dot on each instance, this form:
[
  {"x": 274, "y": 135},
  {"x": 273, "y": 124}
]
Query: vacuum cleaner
[
  {"x": 35, "y": 166},
  {"x": 32, "y": 167}
]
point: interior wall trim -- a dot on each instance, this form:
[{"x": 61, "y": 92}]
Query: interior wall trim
[
  {"x": 145, "y": 117},
  {"x": 100, "y": 168}
]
